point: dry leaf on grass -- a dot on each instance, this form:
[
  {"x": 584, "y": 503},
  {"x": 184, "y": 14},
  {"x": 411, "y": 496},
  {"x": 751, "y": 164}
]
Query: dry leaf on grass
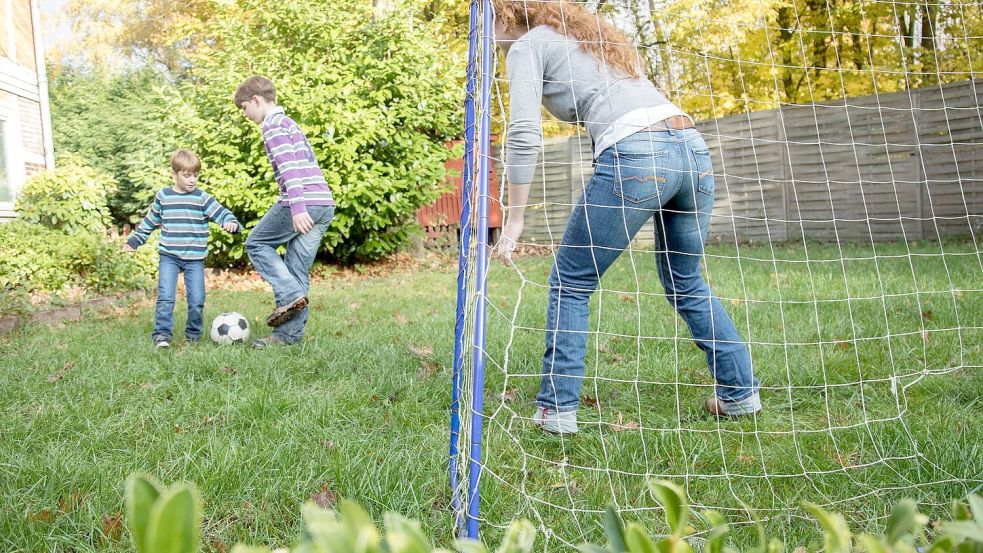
[
  {"x": 621, "y": 425},
  {"x": 112, "y": 525},
  {"x": 399, "y": 318},
  {"x": 428, "y": 369},
  {"x": 54, "y": 377},
  {"x": 421, "y": 351},
  {"x": 325, "y": 498}
]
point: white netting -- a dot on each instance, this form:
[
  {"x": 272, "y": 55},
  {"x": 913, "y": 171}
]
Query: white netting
[{"x": 847, "y": 146}]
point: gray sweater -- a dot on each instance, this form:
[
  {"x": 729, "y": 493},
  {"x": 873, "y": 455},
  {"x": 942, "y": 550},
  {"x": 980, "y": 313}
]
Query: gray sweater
[{"x": 549, "y": 68}]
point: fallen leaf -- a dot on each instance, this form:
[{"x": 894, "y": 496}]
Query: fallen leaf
[
  {"x": 44, "y": 515},
  {"x": 745, "y": 458},
  {"x": 54, "y": 377},
  {"x": 589, "y": 401},
  {"x": 178, "y": 429},
  {"x": 228, "y": 370},
  {"x": 842, "y": 344},
  {"x": 621, "y": 425},
  {"x": 927, "y": 314},
  {"x": 627, "y": 298},
  {"x": 428, "y": 369},
  {"x": 148, "y": 386},
  {"x": 352, "y": 306},
  {"x": 112, "y": 525},
  {"x": 400, "y": 319},
  {"x": 846, "y": 460},
  {"x": 421, "y": 351},
  {"x": 327, "y": 444},
  {"x": 70, "y": 365},
  {"x": 70, "y": 503},
  {"x": 219, "y": 547},
  {"x": 325, "y": 498},
  {"x": 511, "y": 394}
]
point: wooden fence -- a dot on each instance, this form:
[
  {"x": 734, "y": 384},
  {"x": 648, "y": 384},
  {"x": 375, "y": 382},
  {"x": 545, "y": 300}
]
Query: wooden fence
[{"x": 900, "y": 166}]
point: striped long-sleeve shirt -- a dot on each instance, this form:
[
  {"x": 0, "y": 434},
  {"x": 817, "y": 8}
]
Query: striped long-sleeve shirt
[
  {"x": 295, "y": 167},
  {"x": 183, "y": 220}
]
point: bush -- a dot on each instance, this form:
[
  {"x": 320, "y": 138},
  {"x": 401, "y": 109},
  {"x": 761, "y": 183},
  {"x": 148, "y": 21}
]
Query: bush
[
  {"x": 125, "y": 125},
  {"x": 170, "y": 520},
  {"x": 71, "y": 198},
  {"x": 37, "y": 259},
  {"x": 377, "y": 98},
  {"x": 33, "y": 257}
]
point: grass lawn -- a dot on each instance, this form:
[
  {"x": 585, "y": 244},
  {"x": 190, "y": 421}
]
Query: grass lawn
[{"x": 870, "y": 367}]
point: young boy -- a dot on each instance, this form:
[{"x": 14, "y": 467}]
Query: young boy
[
  {"x": 182, "y": 212},
  {"x": 299, "y": 218}
]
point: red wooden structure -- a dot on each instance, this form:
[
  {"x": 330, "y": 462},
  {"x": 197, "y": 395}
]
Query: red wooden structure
[{"x": 444, "y": 216}]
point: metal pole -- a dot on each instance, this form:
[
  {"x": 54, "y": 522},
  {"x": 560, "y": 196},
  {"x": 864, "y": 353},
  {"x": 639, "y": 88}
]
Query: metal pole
[
  {"x": 462, "y": 260},
  {"x": 478, "y": 384}
]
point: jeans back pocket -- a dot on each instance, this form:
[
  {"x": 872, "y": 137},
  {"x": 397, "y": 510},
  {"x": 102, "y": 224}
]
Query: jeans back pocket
[
  {"x": 640, "y": 177},
  {"x": 704, "y": 170}
]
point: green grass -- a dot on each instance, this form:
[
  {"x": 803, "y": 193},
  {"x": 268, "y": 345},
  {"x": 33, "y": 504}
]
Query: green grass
[{"x": 363, "y": 404}]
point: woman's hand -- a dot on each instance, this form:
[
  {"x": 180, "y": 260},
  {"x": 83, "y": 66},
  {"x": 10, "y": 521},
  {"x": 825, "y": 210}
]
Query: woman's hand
[{"x": 510, "y": 237}]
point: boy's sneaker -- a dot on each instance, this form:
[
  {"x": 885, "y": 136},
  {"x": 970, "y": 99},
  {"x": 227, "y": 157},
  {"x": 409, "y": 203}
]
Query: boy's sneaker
[
  {"x": 161, "y": 343},
  {"x": 555, "y": 422},
  {"x": 264, "y": 343},
  {"x": 720, "y": 408},
  {"x": 283, "y": 314}
]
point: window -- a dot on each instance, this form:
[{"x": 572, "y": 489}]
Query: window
[{"x": 6, "y": 189}]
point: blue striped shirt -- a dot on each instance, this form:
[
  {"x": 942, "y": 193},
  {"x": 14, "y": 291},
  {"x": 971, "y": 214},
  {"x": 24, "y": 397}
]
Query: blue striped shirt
[{"x": 183, "y": 220}]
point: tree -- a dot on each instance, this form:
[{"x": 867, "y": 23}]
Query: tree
[
  {"x": 125, "y": 125},
  {"x": 377, "y": 98}
]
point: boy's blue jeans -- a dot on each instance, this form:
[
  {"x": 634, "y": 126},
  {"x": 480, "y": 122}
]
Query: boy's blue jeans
[
  {"x": 290, "y": 275},
  {"x": 662, "y": 174},
  {"x": 194, "y": 283}
]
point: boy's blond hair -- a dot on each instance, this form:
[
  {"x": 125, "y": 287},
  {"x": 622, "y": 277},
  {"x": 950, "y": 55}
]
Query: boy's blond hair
[
  {"x": 185, "y": 160},
  {"x": 255, "y": 86}
]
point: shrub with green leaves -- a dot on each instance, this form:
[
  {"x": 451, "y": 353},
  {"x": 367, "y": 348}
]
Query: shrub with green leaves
[
  {"x": 349, "y": 529},
  {"x": 71, "y": 198},
  {"x": 38, "y": 259},
  {"x": 126, "y": 125},
  {"x": 376, "y": 97}
]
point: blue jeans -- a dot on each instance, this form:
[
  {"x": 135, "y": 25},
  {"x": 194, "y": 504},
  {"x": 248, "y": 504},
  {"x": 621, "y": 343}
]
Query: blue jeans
[
  {"x": 290, "y": 275},
  {"x": 662, "y": 174},
  {"x": 194, "y": 283}
]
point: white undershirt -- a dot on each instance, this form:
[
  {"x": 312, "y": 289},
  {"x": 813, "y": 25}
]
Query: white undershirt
[{"x": 632, "y": 122}]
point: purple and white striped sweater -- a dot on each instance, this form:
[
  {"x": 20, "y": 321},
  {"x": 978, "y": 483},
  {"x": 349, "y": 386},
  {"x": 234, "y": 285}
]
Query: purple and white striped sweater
[{"x": 295, "y": 167}]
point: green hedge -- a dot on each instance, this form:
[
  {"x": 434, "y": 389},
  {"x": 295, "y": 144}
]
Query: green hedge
[{"x": 61, "y": 241}]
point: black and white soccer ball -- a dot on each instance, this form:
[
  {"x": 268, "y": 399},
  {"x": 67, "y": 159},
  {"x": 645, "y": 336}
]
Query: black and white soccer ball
[{"x": 230, "y": 328}]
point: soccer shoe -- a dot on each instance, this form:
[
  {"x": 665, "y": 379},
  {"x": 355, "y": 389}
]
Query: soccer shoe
[
  {"x": 720, "y": 408},
  {"x": 283, "y": 314},
  {"x": 264, "y": 343},
  {"x": 161, "y": 343},
  {"x": 555, "y": 422}
]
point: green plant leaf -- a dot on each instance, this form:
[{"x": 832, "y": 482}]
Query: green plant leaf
[
  {"x": 673, "y": 500},
  {"x": 592, "y": 548},
  {"x": 637, "y": 539},
  {"x": 141, "y": 493},
  {"x": 871, "y": 544},
  {"x": 837, "y": 534},
  {"x": 175, "y": 521},
  {"x": 470, "y": 546},
  {"x": 404, "y": 535},
  {"x": 614, "y": 528},
  {"x": 903, "y": 522},
  {"x": 519, "y": 539}
]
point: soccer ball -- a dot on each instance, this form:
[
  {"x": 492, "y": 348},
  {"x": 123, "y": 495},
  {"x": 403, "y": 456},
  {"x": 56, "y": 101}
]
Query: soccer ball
[{"x": 230, "y": 328}]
